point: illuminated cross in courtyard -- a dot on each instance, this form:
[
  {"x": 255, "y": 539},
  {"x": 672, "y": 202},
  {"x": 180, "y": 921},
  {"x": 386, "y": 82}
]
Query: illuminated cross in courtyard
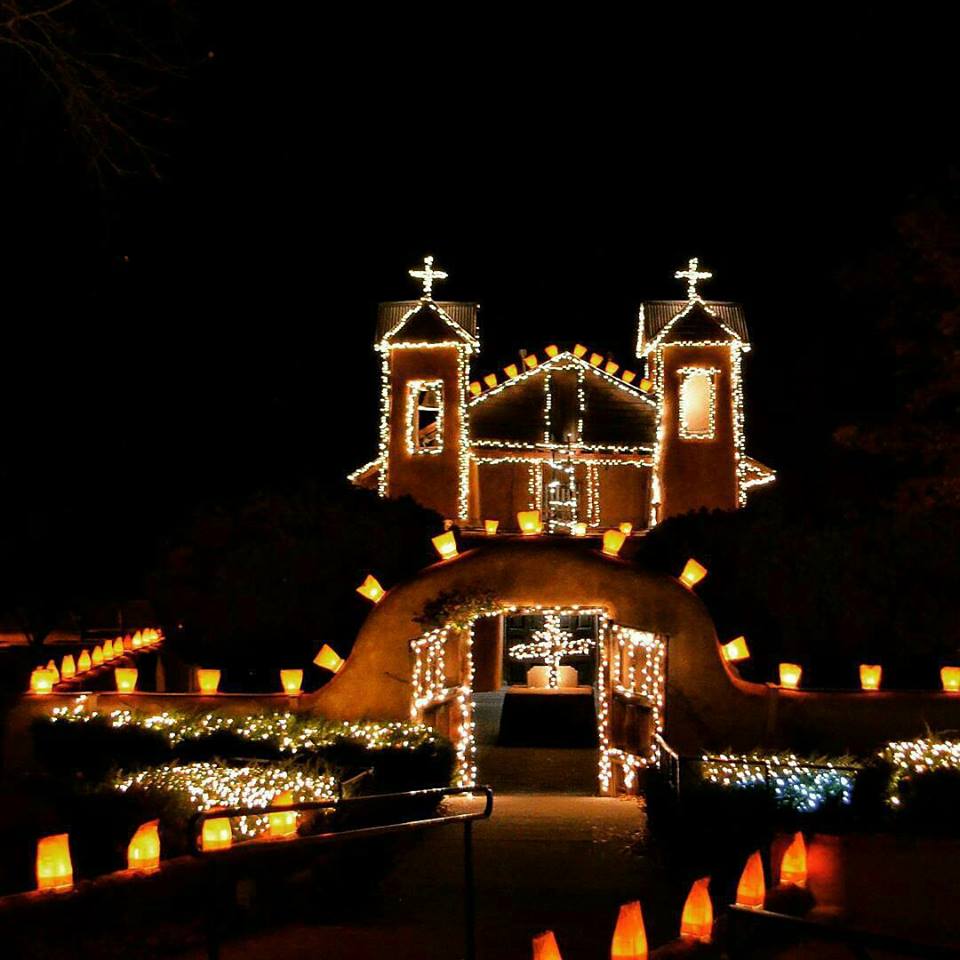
[
  {"x": 692, "y": 275},
  {"x": 428, "y": 275},
  {"x": 552, "y": 644}
]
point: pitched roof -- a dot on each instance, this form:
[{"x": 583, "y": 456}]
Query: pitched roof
[
  {"x": 426, "y": 321},
  {"x": 615, "y": 413},
  {"x": 704, "y": 319}
]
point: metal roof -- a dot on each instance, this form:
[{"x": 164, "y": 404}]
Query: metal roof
[
  {"x": 658, "y": 313},
  {"x": 391, "y": 313}
]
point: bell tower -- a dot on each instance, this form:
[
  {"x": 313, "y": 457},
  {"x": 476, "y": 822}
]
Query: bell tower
[
  {"x": 693, "y": 350},
  {"x": 425, "y": 349}
]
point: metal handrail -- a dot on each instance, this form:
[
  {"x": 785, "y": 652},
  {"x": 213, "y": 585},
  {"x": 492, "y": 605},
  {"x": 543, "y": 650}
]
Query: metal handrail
[{"x": 229, "y": 854}]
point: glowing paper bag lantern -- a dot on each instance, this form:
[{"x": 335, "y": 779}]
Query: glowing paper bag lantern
[
  {"x": 137, "y": 641},
  {"x": 328, "y": 658},
  {"x": 950, "y": 678},
  {"x": 445, "y": 545},
  {"x": 126, "y": 643},
  {"x": 545, "y": 947},
  {"x": 126, "y": 679},
  {"x": 735, "y": 650},
  {"x": 529, "y": 522},
  {"x": 626, "y": 528},
  {"x": 692, "y": 573},
  {"x": 216, "y": 834},
  {"x": 107, "y": 653},
  {"x": 612, "y": 542},
  {"x": 54, "y": 867},
  {"x": 530, "y": 361},
  {"x": 511, "y": 370},
  {"x": 490, "y": 379},
  {"x": 579, "y": 350},
  {"x": 628, "y": 376},
  {"x": 68, "y": 668},
  {"x": 283, "y": 824},
  {"x": 596, "y": 359},
  {"x": 84, "y": 663},
  {"x": 371, "y": 589},
  {"x": 475, "y": 388},
  {"x": 490, "y": 526},
  {"x": 696, "y": 922},
  {"x": 793, "y": 866},
  {"x": 752, "y": 888},
  {"x": 551, "y": 351},
  {"x": 790, "y": 674},
  {"x": 41, "y": 681},
  {"x": 629, "y": 936},
  {"x": 144, "y": 850},
  {"x": 53, "y": 671},
  {"x": 579, "y": 529},
  {"x": 97, "y": 656},
  {"x": 646, "y": 385},
  {"x": 611, "y": 367},
  {"x": 291, "y": 681},
  {"x": 208, "y": 680},
  {"x": 870, "y": 676}
]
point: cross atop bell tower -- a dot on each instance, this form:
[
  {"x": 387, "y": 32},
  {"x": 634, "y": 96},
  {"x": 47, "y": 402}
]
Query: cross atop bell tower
[
  {"x": 428, "y": 275},
  {"x": 693, "y": 275}
]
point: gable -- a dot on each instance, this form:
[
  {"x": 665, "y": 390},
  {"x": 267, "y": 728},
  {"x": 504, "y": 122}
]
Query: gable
[
  {"x": 426, "y": 322},
  {"x": 667, "y": 321}
]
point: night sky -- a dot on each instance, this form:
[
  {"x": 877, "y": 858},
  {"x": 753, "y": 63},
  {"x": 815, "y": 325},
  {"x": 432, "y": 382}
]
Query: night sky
[{"x": 209, "y": 331}]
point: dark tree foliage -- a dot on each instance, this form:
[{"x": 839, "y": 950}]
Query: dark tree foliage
[{"x": 267, "y": 581}]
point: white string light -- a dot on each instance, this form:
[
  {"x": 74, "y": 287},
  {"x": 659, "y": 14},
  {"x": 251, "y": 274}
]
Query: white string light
[{"x": 428, "y": 275}]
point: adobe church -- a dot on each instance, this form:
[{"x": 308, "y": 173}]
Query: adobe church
[{"x": 566, "y": 430}]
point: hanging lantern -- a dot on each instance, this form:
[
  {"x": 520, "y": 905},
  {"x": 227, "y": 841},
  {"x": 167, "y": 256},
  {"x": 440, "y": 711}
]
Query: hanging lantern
[
  {"x": 445, "y": 545},
  {"x": 529, "y": 522},
  {"x": 626, "y": 528},
  {"x": 490, "y": 526},
  {"x": 579, "y": 350},
  {"x": 126, "y": 679},
  {"x": 84, "y": 662},
  {"x": 530, "y": 361},
  {"x": 693, "y": 572},
  {"x": 511, "y": 370},
  {"x": 291, "y": 681},
  {"x": 629, "y": 935},
  {"x": 611, "y": 367},
  {"x": 54, "y": 868},
  {"x": 579, "y": 529},
  {"x": 696, "y": 922},
  {"x": 68, "y": 669},
  {"x": 144, "y": 851},
  {"x": 283, "y": 824},
  {"x": 735, "y": 650},
  {"x": 870, "y": 676},
  {"x": 97, "y": 656},
  {"x": 646, "y": 385},
  {"x": 793, "y": 866},
  {"x": 490, "y": 379},
  {"x": 790, "y": 674},
  {"x": 612, "y": 542},
  {"x": 41, "y": 681},
  {"x": 545, "y": 947},
  {"x": 216, "y": 834},
  {"x": 328, "y": 658},
  {"x": 551, "y": 351},
  {"x": 137, "y": 641},
  {"x": 950, "y": 678},
  {"x": 208, "y": 681},
  {"x": 628, "y": 376},
  {"x": 752, "y": 889},
  {"x": 371, "y": 589}
]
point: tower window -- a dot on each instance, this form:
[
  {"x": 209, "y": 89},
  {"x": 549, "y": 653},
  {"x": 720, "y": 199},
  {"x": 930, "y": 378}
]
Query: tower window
[
  {"x": 424, "y": 416},
  {"x": 698, "y": 400}
]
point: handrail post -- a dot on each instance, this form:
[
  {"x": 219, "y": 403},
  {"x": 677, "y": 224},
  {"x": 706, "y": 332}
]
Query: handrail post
[{"x": 469, "y": 893}]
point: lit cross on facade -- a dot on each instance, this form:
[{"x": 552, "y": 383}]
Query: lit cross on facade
[
  {"x": 552, "y": 644},
  {"x": 692, "y": 274},
  {"x": 428, "y": 275}
]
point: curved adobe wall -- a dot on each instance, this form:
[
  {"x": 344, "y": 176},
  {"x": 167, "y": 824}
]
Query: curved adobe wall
[{"x": 707, "y": 705}]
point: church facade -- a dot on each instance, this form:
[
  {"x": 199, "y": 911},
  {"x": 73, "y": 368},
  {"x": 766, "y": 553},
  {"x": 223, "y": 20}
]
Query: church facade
[{"x": 565, "y": 431}]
